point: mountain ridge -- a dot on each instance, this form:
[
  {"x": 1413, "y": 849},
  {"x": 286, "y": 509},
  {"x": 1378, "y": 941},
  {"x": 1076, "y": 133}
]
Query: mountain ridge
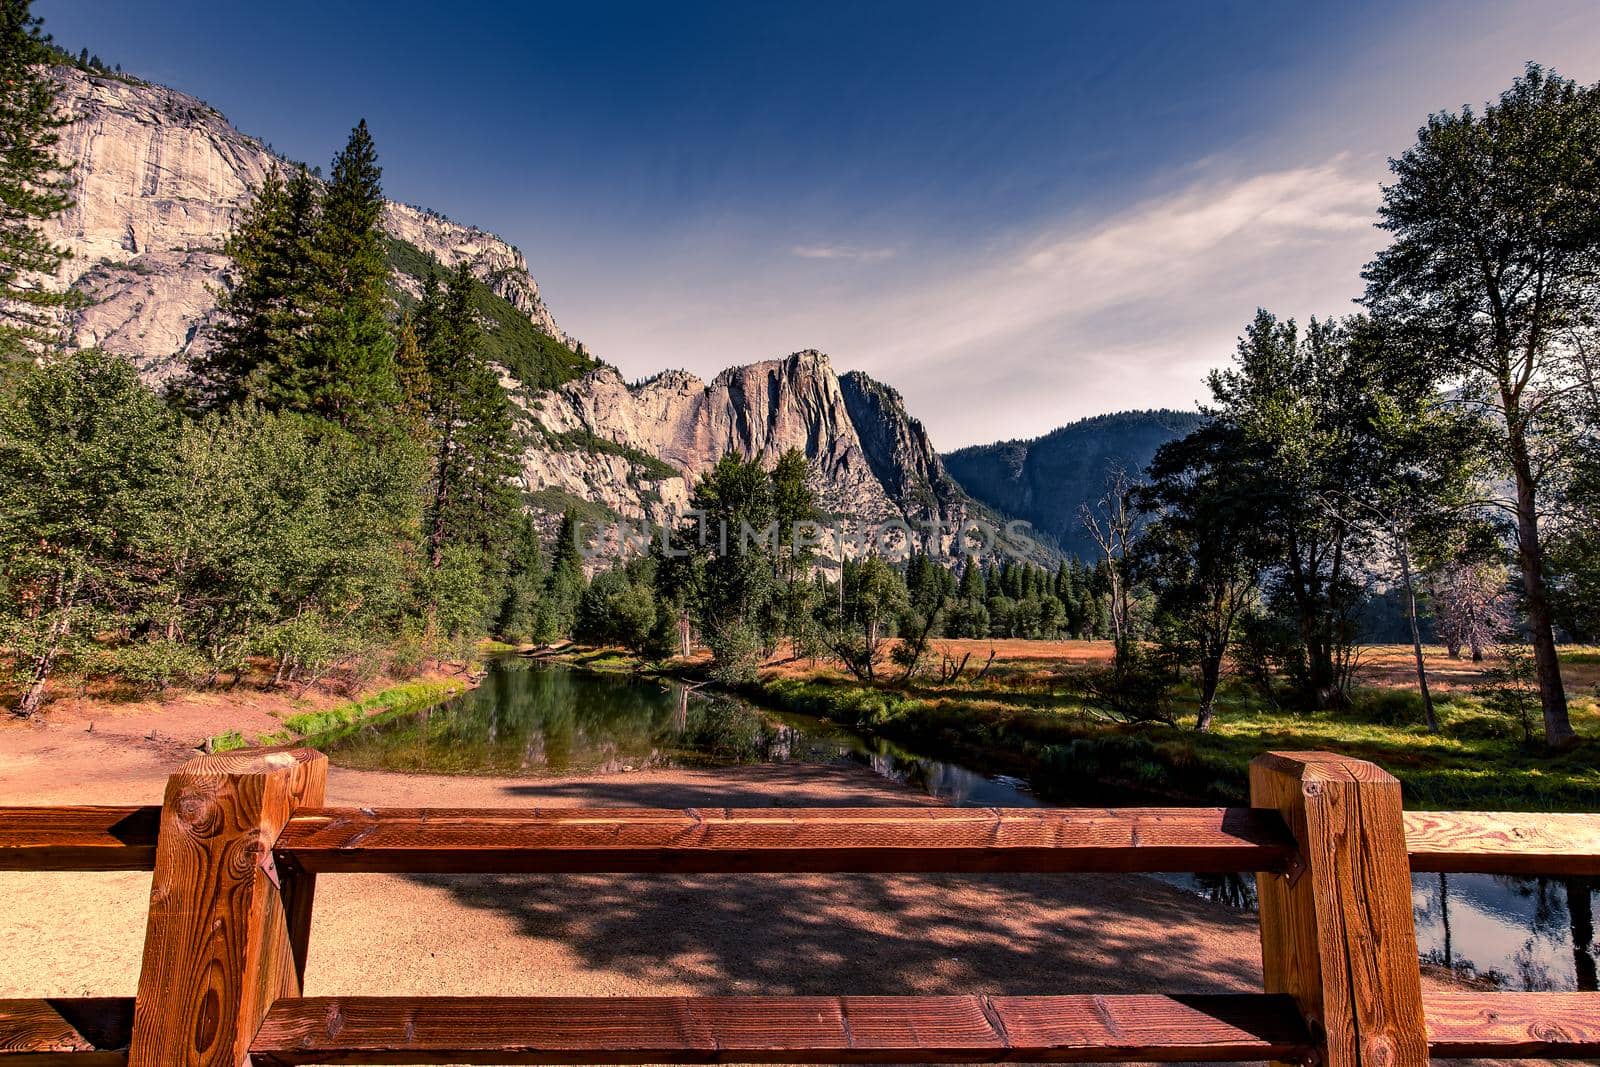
[
  {"x": 162, "y": 178},
  {"x": 1046, "y": 480}
]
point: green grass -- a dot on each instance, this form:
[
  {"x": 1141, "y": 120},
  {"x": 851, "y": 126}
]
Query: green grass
[
  {"x": 403, "y": 697},
  {"x": 227, "y": 742},
  {"x": 1478, "y": 761}
]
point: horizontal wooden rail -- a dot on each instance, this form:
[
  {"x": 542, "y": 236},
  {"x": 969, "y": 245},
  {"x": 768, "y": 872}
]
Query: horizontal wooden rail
[
  {"x": 94, "y": 1031},
  {"x": 1512, "y": 1025},
  {"x": 79, "y": 839},
  {"x": 1504, "y": 842},
  {"x": 330, "y": 839},
  {"x": 238, "y": 843},
  {"x": 932, "y": 1029},
  {"x": 787, "y": 839},
  {"x": 83, "y": 1031}
]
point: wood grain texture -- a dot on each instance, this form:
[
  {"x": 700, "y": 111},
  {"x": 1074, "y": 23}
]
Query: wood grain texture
[
  {"x": 638, "y": 840},
  {"x": 1513, "y": 1025},
  {"x": 218, "y": 946},
  {"x": 84, "y": 1031},
  {"x": 1337, "y": 934},
  {"x": 945, "y": 1029},
  {"x": 1504, "y": 842},
  {"x": 79, "y": 838}
]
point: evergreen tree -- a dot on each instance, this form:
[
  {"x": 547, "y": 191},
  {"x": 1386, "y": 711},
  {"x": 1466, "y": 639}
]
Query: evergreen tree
[
  {"x": 411, "y": 375},
  {"x": 565, "y": 586},
  {"x": 34, "y": 187},
  {"x": 350, "y": 371},
  {"x": 523, "y": 609},
  {"x": 260, "y": 349},
  {"x": 474, "y": 445}
]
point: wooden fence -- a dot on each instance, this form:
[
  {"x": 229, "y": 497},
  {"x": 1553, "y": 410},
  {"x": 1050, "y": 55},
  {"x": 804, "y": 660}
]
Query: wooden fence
[{"x": 240, "y": 839}]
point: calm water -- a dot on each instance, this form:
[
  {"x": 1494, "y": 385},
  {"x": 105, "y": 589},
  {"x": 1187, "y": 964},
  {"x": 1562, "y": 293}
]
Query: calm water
[{"x": 533, "y": 720}]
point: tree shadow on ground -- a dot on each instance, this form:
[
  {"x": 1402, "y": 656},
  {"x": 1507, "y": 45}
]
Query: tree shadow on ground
[{"x": 863, "y": 934}]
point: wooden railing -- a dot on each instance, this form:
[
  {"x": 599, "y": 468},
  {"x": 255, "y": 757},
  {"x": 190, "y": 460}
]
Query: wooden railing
[{"x": 240, "y": 839}]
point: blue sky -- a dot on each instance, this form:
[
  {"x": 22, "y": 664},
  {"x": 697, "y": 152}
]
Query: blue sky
[{"x": 1017, "y": 214}]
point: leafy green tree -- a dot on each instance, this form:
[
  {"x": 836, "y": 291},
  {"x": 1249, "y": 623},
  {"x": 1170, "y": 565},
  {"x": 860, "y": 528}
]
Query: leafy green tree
[
  {"x": 1202, "y": 553},
  {"x": 1496, "y": 258},
  {"x": 1299, "y": 405},
  {"x": 82, "y": 443},
  {"x": 565, "y": 585},
  {"x": 619, "y": 607},
  {"x": 35, "y": 186},
  {"x": 740, "y": 583}
]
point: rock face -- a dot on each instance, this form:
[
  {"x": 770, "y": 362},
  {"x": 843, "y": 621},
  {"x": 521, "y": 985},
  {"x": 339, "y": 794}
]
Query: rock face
[
  {"x": 869, "y": 459},
  {"x": 161, "y": 179}
]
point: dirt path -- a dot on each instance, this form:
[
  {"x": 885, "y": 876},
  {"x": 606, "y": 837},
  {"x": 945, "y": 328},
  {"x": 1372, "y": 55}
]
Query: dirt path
[{"x": 80, "y": 934}]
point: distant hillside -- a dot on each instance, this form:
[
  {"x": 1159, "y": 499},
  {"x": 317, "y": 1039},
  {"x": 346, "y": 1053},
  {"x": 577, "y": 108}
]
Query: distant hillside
[{"x": 1047, "y": 480}]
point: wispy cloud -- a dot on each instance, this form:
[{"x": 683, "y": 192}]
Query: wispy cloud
[
  {"x": 1125, "y": 311},
  {"x": 826, "y": 251}
]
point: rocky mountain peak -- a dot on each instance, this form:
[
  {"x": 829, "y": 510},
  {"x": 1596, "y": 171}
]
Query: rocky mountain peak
[{"x": 162, "y": 177}]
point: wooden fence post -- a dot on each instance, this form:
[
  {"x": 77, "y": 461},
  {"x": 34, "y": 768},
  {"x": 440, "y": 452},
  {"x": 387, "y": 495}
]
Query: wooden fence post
[
  {"x": 226, "y": 933},
  {"x": 1336, "y": 930}
]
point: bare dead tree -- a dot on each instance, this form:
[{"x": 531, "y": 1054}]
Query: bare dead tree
[
  {"x": 1470, "y": 606},
  {"x": 1112, "y": 522}
]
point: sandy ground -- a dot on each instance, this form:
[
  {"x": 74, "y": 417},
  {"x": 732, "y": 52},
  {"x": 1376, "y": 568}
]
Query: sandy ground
[{"x": 81, "y": 934}]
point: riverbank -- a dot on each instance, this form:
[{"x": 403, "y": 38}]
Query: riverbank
[{"x": 1021, "y": 719}]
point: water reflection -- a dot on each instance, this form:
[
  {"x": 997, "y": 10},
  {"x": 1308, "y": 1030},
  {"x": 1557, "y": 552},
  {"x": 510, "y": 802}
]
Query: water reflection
[{"x": 529, "y": 719}]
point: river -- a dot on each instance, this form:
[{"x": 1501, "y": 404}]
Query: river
[{"x": 537, "y": 720}]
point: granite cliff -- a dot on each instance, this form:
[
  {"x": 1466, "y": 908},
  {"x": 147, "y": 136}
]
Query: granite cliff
[{"x": 162, "y": 177}]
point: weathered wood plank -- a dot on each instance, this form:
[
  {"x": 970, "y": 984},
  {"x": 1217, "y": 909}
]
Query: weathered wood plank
[
  {"x": 123, "y": 837},
  {"x": 444, "y": 840},
  {"x": 948, "y": 1029},
  {"x": 1512, "y": 1025},
  {"x": 1337, "y": 933},
  {"x": 83, "y": 1031},
  {"x": 1504, "y": 842},
  {"x": 79, "y": 838},
  {"x": 218, "y": 944}
]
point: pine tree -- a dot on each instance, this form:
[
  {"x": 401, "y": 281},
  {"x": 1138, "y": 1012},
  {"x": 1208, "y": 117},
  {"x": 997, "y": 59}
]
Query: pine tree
[
  {"x": 411, "y": 376},
  {"x": 261, "y": 338},
  {"x": 475, "y": 448},
  {"x": 349, "y": 369},
  {"x": 34, "y": 187}
]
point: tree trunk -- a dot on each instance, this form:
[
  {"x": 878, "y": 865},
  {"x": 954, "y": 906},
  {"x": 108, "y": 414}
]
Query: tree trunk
[
  {"x": 1580, "y": 911},
  {"x": 1444, "y": 921},
  {"x": 1403, "y": 551},
  {"x": 44, "y": 663},
  {"x": 1530, "y": 554},
  {"x": 1210, "y": 675}
]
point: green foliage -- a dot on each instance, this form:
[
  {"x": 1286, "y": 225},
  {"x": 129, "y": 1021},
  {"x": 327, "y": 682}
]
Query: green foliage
[
  {"x": 82, "y": 468},
  {"x": 1511, "y": 689},
  {"x": 1492, "y": 272},
  {"x": 510, "y": 339},
  {"x": 619, "y": 608},
  {"x": 649, "y": 467},
  {"x": 35, "y": 186}
]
